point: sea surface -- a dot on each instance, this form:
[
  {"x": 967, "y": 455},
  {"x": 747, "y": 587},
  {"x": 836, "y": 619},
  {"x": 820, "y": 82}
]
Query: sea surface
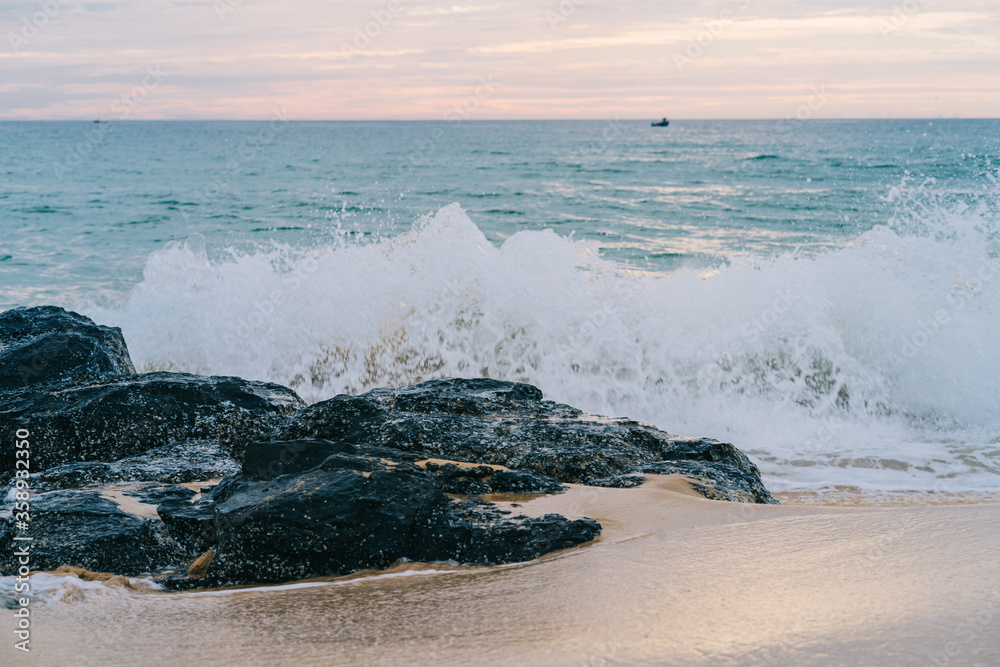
[{"x": 823, "y": 294}]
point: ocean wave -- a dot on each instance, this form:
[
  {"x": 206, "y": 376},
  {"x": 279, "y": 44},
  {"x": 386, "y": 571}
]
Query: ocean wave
[{"x": 873, "y": 365}]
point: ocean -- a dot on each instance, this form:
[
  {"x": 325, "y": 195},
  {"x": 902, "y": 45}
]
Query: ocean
[{"x": 823, "y": 294}]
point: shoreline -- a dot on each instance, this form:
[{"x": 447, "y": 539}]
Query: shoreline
[
  {"x": 674, "y": 578},
  {"x": 875, "y": 499}
]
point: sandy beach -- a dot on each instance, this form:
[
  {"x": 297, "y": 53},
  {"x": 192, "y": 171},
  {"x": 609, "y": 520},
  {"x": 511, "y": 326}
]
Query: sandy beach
[{"x": 674, "y": 579}]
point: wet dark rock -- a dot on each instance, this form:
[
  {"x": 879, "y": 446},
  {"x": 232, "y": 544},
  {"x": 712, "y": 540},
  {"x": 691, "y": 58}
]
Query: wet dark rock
[
  {"x": 72, "y": 476},
  {"x": 508, "y": 424},
  {"x": 523, "y": 481},
  {"x": 48, "y": 344},
  {"x": 483, "y": 535},
  {"x": 482, "y": 480},
  {"x": 718, "y": 481},
  {"x": 84, "y": 529},
  {"x": 620, "y": 481},
  {"x": 267, "y": 460},
  {"x": 128, "y": 416},
  {"x": 270, "y": 459},
  {"x": 351, "y": 483},
  {"x": 353, "y": 512},
  {"x": 463, "y": 480},
  {"x": 192, "y": 525},
  {"x": 450, "y": 470},
  {"x": 177, "y": 463},
  {"x": 154, "y": 495}
]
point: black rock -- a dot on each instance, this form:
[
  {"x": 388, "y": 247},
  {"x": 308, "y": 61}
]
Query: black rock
[
  {"x": 467, "y": 486},
  {"x": 508, "y": 424},
  {"x": 481, "y": 480},
  {"x": 353, "y": 512},
  {"x": 270, "y": 459},
  {"x": 351, "y": 483},
  {"x": 154, "y": 495},
  {"x": 450, "y": 470},
  {"x": 128, "y": 416},
  {"x": 622, "y": 481},
  {"x": 710, "y": 466},
  {"x": 177, "y": 463},
  {"x": 523, "y": 481},
  {"x": 464, "y": 480},
  {"x": 192, "y": 525},
  {"x": 267, "y": 460},
  {"x": 84, "y": 529},
  {"x": 72, "y": 476},
  {"x": 47, "y": 344}
]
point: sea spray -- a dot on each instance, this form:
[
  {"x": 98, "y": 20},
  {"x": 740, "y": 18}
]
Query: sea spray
[{"x": 835, "y": 369}]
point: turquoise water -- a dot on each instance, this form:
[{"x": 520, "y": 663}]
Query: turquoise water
[
  {"x": 820, "y": 293},
  {"x": 84, "y": 204}
]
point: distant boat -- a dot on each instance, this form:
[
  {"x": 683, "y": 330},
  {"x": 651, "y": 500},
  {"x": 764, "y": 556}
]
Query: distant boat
[{"x": 662, "y": 123}]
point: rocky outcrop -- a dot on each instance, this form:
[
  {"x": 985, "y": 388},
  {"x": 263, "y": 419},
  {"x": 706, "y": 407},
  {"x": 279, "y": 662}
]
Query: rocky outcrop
[
  {"x": 353, "y": 510},
  {"x": 47, "y": 344},
  {"x": 355, "y": 482},
  {"x": 177, "y": 463},
  {"x": 111, "y": 420},
  {"x": 509, "y": 424},
  {"x": 154, "y": 494},
  {"x": 84, "y": 529},
  {"x": 72, "y": 384}
]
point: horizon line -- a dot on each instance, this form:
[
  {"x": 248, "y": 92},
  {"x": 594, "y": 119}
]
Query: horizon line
[{"x": 467, "y": 120}]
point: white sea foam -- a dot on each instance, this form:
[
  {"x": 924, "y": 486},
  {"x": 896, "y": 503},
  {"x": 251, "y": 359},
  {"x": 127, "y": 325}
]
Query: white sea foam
[
  {"x": 875, "y": 365},
  {"x": 45, "y": 589}
]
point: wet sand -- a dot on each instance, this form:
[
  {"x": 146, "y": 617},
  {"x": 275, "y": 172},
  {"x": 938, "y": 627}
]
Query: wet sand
[{"x": 674, "y": 579}]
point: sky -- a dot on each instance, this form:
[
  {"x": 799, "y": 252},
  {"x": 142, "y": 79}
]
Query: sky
[{"x": 516, "y": 59}]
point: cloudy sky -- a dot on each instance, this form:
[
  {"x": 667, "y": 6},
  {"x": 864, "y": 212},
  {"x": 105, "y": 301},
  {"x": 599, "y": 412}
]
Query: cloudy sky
[{"x": 421, "y": 59}]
